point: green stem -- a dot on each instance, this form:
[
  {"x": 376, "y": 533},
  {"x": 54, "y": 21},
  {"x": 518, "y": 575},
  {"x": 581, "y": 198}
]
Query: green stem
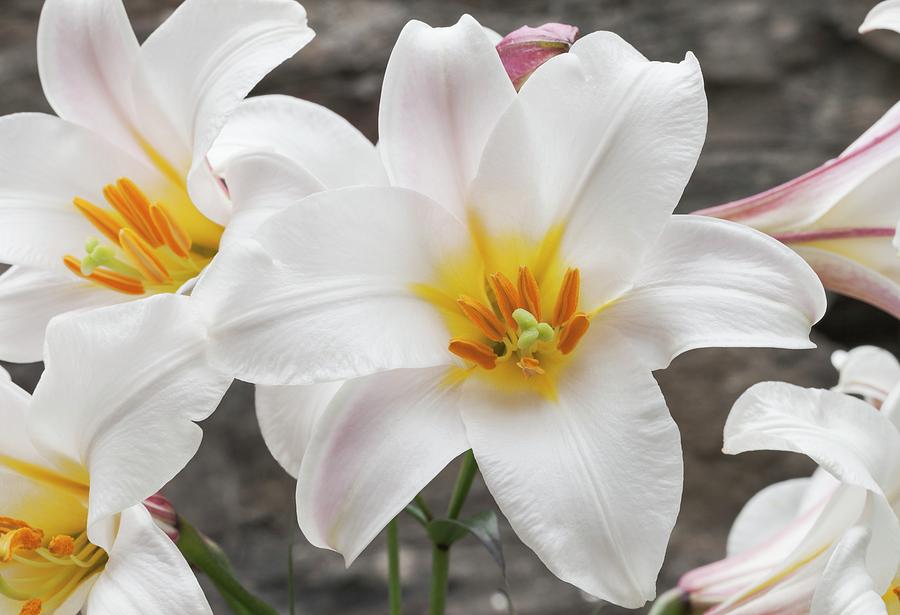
[
  {"x": 440, "y": 554},
  {"x": 394, "y": 590},
  {"x": 203, "y": 554},
  {"x": 440, "y": 573},
  {"x": 424, "y": 506}
]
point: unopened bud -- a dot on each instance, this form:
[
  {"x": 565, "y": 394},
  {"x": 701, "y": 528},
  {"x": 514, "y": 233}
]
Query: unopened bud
[
  {"x": 164, "y": 515},
  {"x": 524, "y": 50}
]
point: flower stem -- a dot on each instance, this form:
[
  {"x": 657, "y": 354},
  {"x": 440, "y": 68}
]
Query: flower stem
[
  {"x": 394, "y": 591},
  {"x": 440, "y": 554}
]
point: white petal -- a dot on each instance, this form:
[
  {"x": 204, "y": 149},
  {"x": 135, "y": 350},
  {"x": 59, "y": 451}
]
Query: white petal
[
  {"x": 591, "y": 481},
  {"x": 846, "y": 587},
  {"x": 833, "y": 192},
  {"x": 444, "y": 90},
  {"x": 885, "y": 16},
  {"x": 87, "y": 53},
  {"x": 203, "y": 61},
  {"x": 318, "y": 140},
  {"x": 708, "y": 282},
  {"x": 261, "y": 184},
  {"x": 766, "y": 514},
  {"x": 603, "y": 141},
  {"x": 845, "y": 435},
  {"x": 874, "y": 279},
  {"x": 14, "y": 407},
  {"x": 29, "y": 298},
  {"x": 286, "y": 417},
  {"x": 382, "y": 439},
  {"x": 45, "y": 163},
  {"x": 122, "y": 388},
  {"x": 300, "y": 306},
  {"x": 868, "y": 371},
  {"x": 146, "y": 574}
]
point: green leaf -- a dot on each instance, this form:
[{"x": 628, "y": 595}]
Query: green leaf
[
  {"x": 205, "y": 555},
  {"x": 483, "y": 526},
  {"x": 673, "y": 602},
  {"x": 417, "y": 513}
]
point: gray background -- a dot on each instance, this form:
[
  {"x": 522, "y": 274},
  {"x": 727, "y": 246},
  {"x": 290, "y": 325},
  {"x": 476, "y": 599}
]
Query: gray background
[{"x": 790, "y": 84}]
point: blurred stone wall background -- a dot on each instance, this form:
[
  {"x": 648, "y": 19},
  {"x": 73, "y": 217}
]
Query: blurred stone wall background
[{"x": 790, "y": 84}]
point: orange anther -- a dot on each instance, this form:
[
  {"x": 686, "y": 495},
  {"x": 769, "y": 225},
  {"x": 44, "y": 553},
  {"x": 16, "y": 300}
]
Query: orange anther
[
  {"x": 121, "y": 204},
  {"x": 476, "y": 352},
  {"x": 172, "y": 234},
  {"x": 110, "y": 279},
  {"x": 140, "y": 204},
  {"x": 529, "y": 293},
  {"x": 100, "y": 218},
  {"x": 572, "y": 332},
  {"x": 32, "y": 607},
  {"x": 141, "y": 255},
  {"x": 507, "y": 297},
  {"x": 482, "y": 317},
  {"x": 62, "y": 545},
  {"x": 530, "y": 367},
  {"x": 26, "y": 538},
  {"x": 567, "y": 300}
]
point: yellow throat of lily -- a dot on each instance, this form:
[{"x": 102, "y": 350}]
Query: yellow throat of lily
[
  {"x": 155, "y": 245},
  {"x": 512, "y": 308}
]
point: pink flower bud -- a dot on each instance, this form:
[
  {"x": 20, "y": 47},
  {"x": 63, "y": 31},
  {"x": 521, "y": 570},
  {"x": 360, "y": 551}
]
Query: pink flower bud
[
  {"x": 164, "y": 515},
  {"x": 524, "y": 50}
]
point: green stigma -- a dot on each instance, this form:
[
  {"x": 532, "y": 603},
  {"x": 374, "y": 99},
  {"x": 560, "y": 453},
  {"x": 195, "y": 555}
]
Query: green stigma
[
  {"x": 99, "y": 255},
  {"x": 530, "y": 330}
]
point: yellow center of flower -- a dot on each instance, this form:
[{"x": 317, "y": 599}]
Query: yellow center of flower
[
  {"x": 513, "y": 310},
  {"x": 154, "y": 246}
]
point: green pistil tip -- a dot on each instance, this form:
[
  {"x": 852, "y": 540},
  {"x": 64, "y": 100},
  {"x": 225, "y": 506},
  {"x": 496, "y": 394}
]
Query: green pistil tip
[
  {"x": 545, "y": 332},
  {"x": 528, "y": 338},
  {"x": 530, "y": 330},
  {"x": 90, "y": 244},
  {"x": 524, "y": 319}
]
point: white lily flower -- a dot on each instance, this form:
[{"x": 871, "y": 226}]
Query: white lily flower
[
  {"x": 114, "y": 199},
  {"x": 510, "y": 293},
  {"x": 111, "y": 421},
  {"x": 827, "y": 544},
  {"x": 842, "y": 217}
]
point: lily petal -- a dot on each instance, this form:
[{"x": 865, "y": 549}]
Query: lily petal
[
  {"x": 766, "y": 514},
  {"x": 602, "y": 142},
  {"x": 29, "y": 298},
  {"x": 319, "y": 141},
  {"x": 45, "y": 163},
  {"x": 845, "y": 435},
  {"x": 87, "y": 53},
  {"x": 122, "y": 388},
  {"x": 146, "y": 574},
  {"x": 868, "y": 371},
  {"x": 564, "y": 471},
  {"x": 379, "y": 443},
  {"x": 885, "y": 16},
  {"x": 708, "y": 282},
  {"x": 201, "y": 63},
  {"x": 298, "y": 307},
  {"x": 287, "y": 415},
  {"x": 444, "y": 90}
]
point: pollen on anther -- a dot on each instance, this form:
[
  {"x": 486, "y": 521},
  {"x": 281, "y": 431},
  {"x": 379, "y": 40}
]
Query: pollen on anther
[
  {"x": 572, "y": 332},
  {"x": 476, "y": 352},
  {"x": 567, "y": 300},
  {"x": 482, "y": 317},
  {"x": 62, "y": 545},
  {"x": 507, "y": 297},
  {"x": 141, "y": 254},
  {"x": 101, "y": 219},
  {"x": 32, "y": 607},
  {"x": 529, "y": 292}
]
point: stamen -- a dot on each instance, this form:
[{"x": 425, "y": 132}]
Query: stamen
[
  {"x": 529, "y": 292},
  {"x": 109, "y": 279},
  {"x": 530, "y": 367},
  {"x": 100, "y": 218},
  {"x": 178, "y": 240},
  {"x": 476, "y": 352},
  {"x": 482, "y": 317},
  {"x": 141, "y": 204},
  {"x": 26, "y": 538},
  {"x": 507, "y": 297},
  {"x": 126, "y": 209},
  {"x": 62, "y": 545},
  {"x": 572, "y": 332},
  {"x": 567, "y": 300},
  {"x": 32, "y": 607},
  {"x": 141, "y": 254}
]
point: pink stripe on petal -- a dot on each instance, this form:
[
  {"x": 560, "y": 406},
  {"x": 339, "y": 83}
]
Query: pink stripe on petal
[
  {"x": 524, "y": 50},
  {"x": 837, "y": 233}
]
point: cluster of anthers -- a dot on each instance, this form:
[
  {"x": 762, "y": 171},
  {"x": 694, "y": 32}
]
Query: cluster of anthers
[
  {"x": 159, "y": 253},
  {"x": 40, "y": 575},
  {"x": 514, "y": 325}
]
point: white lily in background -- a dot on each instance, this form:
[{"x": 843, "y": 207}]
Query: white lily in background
[
  {"x": 111, "y": 421},
  {"x": 114, "y": 199},
  {"x": 510, "y": 293},
  {"x": 790, "y": 533},
  {"x": 842, "y": 217}
]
